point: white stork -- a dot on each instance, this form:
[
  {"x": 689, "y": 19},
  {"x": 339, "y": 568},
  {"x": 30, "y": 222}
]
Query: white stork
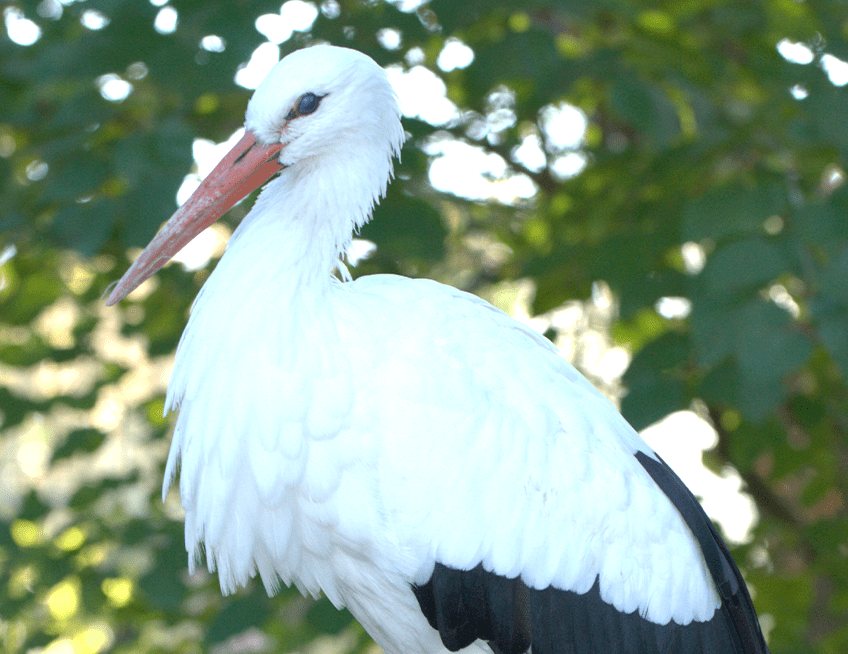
[{"x": 401, "y": 446}]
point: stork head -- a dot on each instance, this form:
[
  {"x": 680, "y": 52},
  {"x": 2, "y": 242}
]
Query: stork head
[
  {"x": 317, "y": 106},
  {"x": 325, "y": 100}
]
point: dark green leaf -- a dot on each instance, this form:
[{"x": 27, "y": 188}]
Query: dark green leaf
[
  {"x": 731, "y": 209},
  {"x": 238, "y": 614},
  {"x": 79, "y": 440}
]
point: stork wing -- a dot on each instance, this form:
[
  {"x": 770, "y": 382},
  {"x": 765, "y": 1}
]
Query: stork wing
[
  {"x": 549, "y": 522},
  {"x": 464, "y": 605}
]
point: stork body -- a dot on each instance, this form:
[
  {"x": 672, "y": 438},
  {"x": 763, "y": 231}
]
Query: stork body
[{"x": 403, "y": 447}]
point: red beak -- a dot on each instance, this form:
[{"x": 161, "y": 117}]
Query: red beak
[{"x": 244, "y": 168}]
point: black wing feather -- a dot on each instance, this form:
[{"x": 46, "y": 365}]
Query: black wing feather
[{"x": 736, "y": 603}]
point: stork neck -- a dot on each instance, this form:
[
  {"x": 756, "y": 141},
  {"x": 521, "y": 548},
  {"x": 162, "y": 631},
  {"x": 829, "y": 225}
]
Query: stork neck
[{"x": 304, "y": 220}]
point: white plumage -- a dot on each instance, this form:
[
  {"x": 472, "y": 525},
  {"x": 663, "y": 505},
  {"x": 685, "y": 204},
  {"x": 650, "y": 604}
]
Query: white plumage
[{"x": 348, "y": 436}]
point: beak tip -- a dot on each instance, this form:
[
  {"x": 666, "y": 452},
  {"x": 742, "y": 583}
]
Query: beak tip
[
  {"x": 112, "y": 295},
  {"x": 246, "y": 167}
]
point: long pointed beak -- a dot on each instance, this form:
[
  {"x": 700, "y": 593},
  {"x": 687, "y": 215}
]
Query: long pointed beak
[{"x": 244, "y": 168}]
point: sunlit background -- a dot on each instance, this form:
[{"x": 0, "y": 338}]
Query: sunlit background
[{"x": 581, "y": 329}]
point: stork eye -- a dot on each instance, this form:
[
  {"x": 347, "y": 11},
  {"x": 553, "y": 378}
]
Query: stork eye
[{"x": 306, "y": 105}]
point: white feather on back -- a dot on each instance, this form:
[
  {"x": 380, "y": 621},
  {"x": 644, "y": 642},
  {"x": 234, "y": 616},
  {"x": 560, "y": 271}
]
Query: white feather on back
[{"x": 494, "y": 449}]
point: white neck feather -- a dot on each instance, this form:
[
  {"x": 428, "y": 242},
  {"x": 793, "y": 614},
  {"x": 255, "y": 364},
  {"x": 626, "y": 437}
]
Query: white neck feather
[{"x": 303, "y": 221}]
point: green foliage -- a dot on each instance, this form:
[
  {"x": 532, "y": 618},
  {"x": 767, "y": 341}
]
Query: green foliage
[{"x": 713, "y": 170}]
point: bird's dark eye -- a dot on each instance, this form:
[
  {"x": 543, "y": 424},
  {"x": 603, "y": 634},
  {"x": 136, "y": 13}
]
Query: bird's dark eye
[{"x": 307, "y": 104}]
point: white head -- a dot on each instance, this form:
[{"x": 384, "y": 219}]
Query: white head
[
  {"x": 352, "y": 107},
  {"x": 329, "y": 117}
]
